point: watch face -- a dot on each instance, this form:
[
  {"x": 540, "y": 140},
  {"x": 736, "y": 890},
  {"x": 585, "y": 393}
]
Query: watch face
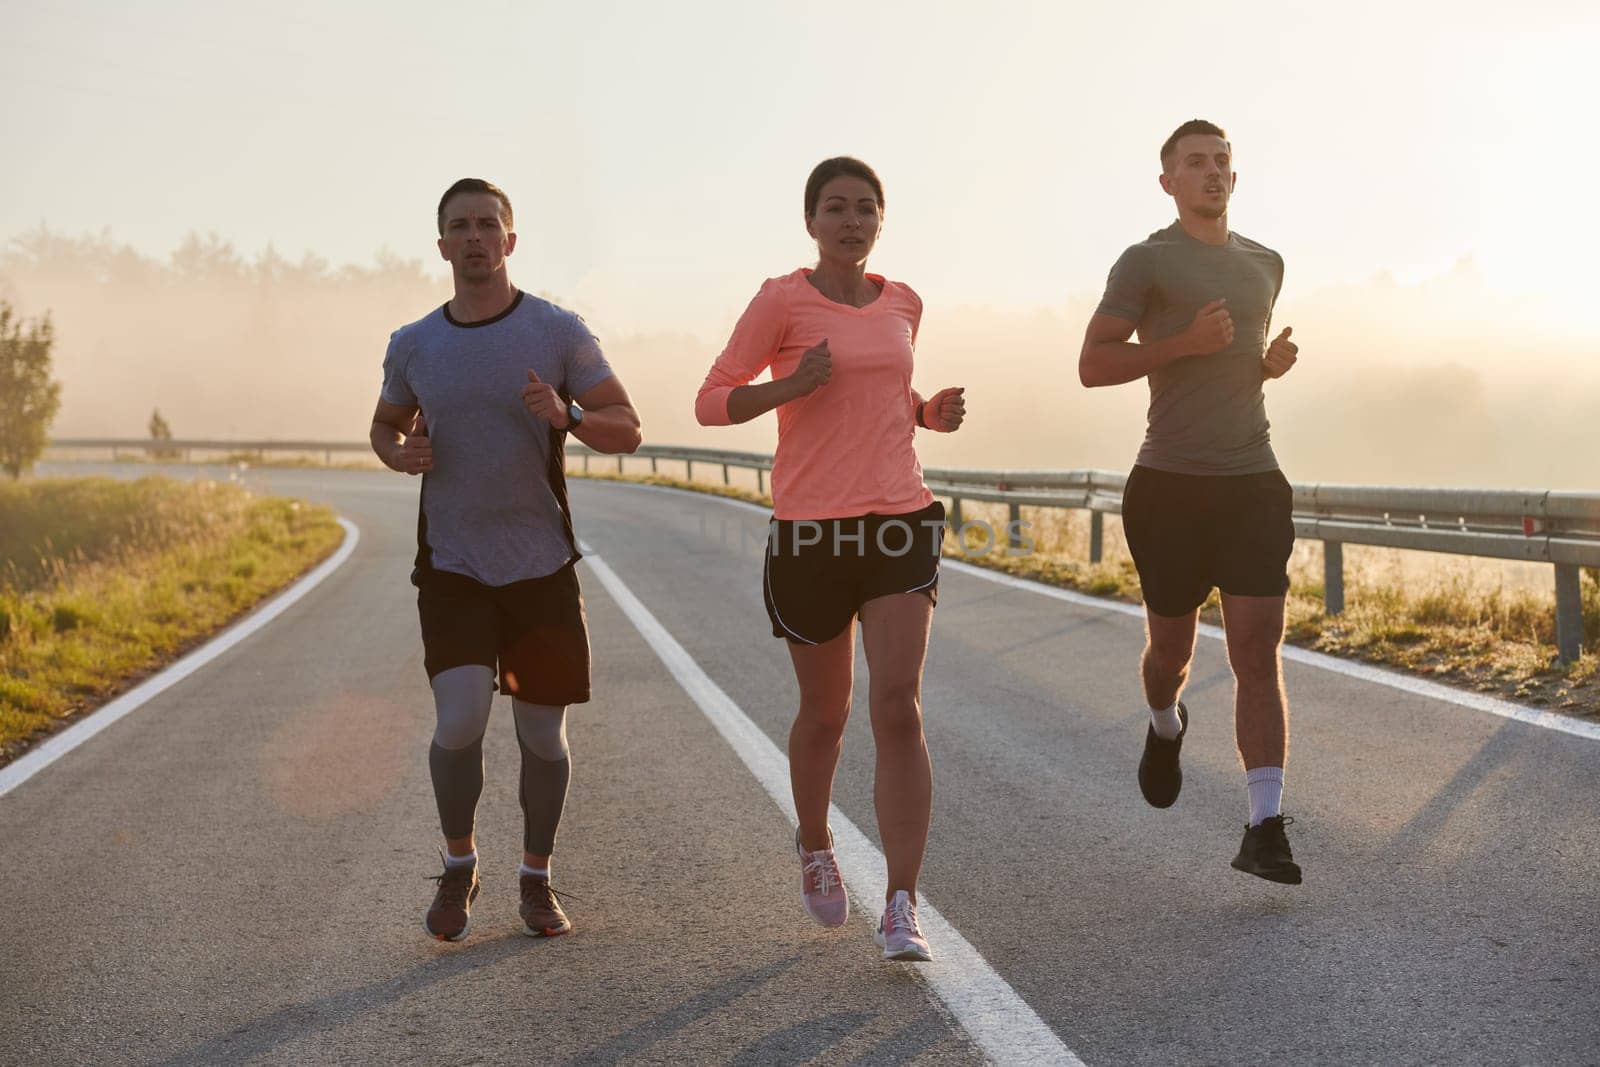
[{"x": 574, "y": 414}]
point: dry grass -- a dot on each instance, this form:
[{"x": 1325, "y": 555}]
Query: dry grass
[
  {"x": 352, "y": 461},
  {"x": 1480, "y": 624},
  {"x": 102, "y": 581}
]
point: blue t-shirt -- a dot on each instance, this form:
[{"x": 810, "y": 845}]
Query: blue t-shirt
[{"x": 494, "y": 507}]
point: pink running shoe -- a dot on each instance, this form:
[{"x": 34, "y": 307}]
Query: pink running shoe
[
  {"x": 821, "y": 886},
  {"x": 898, "y": 933}
]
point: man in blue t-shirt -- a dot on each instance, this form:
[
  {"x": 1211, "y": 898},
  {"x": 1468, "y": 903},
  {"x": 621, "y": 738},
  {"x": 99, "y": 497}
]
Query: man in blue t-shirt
[
  {"x": 478, "y": 397},
  {"x": 1206, "y": 505}
]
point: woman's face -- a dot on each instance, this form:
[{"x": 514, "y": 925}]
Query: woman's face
[{"x": 848, "y": 215}]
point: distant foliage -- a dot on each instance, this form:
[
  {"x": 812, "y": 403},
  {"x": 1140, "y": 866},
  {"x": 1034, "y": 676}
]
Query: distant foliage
[
  {"x": 160, "y": 431},
  {"x": 45, "y": 255},
  {"x": 29, "y": 398},
  {"x": 199, "y": 329}
]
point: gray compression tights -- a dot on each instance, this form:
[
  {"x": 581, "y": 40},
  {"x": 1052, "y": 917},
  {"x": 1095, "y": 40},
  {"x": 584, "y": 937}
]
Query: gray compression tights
[{"x": 462, "y": 698}]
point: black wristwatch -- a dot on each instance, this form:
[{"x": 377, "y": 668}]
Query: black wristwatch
[{"x": 574, "y": 416}]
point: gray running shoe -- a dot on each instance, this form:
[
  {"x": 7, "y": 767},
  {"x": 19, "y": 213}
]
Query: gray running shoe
[
  {"x": 542, "y": 915},
  {"x": 449, "y": 917}
]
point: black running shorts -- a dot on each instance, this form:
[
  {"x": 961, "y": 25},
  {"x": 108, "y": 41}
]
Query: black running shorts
[
  {"x": 820, "y": 571},
  {"x": 533, "y": 633},
  {"x": 1189, "y": 532}
]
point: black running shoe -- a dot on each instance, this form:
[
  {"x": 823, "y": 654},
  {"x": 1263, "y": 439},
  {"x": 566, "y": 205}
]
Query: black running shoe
[
  {"x": 1264, "y": 852},
  {"x": 1160, "y": 777}
]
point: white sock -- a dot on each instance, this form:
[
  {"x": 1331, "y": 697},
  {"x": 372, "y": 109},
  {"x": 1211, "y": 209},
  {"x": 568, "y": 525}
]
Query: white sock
[
  {"x": 469, "y": 860},
  {"x": 1266, "y": 793},
  {"x": 1166, "y": 723},
  {"x": 542, "y": 872}
]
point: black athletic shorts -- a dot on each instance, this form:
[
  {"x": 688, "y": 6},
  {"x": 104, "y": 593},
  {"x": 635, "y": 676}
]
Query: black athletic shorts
[
  {"x": 1189, "y": 532},
  {"x": 533, "y": 633},
  {"x": 820, "y": 571}
]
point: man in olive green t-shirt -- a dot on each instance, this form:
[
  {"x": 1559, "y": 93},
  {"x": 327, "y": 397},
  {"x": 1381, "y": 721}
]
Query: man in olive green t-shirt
[{"x": 1205, "y": 505}]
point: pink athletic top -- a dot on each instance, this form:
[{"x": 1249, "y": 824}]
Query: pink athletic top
[{"x": 847, "y": 448}]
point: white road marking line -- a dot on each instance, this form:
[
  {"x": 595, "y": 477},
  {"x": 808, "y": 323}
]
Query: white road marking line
[
  {"x": 1506, "y": 709},
  {"x": 25, "y": 767},
  {"x": 999, "y": 1020}
]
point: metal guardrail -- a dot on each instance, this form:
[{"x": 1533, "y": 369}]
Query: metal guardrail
[{"x": 1538, "y": 526}]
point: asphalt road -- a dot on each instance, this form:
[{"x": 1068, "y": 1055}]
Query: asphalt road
[{"x": 235, "y": 872}]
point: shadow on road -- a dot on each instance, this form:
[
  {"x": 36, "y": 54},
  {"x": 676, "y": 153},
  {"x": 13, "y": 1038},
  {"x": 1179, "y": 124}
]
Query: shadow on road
[{"x": 296, "y": 1021}]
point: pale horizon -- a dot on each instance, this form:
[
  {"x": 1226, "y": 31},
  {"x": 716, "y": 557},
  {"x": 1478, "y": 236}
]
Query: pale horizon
[{"x": 1423, "y": 183}]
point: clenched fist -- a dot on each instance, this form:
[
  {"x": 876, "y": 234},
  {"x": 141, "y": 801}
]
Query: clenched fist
[
  {"x": 945, "y": 410},
  {"x": 1211, "y": 331},
  {"x": 816, "y": 367},
  {"x": 416, "y": 451},
  {"x": 544, "y": 402},
  {"x": 1281, "y": 355}
]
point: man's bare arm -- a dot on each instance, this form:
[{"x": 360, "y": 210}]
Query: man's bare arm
[
  {"x": 399, "y": 438},
  {"x": 610, "y": 424},
  {"x": 1109, "y": 358}
]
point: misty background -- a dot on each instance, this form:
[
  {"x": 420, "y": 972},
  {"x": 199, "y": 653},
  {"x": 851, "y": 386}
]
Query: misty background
[
  {"x": 1426, "y": 381},
  {"x": 227, "y": 209}
]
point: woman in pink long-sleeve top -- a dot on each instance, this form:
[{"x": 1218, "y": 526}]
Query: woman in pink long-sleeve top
[{"x": 855, "y": 531}]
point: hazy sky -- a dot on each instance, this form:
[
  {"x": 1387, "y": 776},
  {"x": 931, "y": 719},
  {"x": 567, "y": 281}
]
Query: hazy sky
[
  {"x": 656, "y": 152},
  {"x": 1425, "y": 169}
]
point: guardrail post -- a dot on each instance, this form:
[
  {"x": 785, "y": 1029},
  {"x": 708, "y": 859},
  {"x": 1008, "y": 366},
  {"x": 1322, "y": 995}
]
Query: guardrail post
[
  {"x": 652, "y": 464},
  {"x": 955, "y": 517},
  {"x": 761, "y": 480},
  {"x": 586, "y": 463},
  {"x": 327, "y": 457},
  {"x": 619, "y": 464},
  {"x": 1097, "y": 535},
  {"x": 1333, "y": 577},
  {"x": 1569, "y": 613},
  {"x": 725, "y": 480},
  {"x": 688, "y": 465},
  {"x": 1014, "y": 525}
]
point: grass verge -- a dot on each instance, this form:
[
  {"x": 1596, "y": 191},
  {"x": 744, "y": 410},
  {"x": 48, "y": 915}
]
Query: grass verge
[
  {"x": 103, "y": 581},
  {"x": 1477, "y": 624}
]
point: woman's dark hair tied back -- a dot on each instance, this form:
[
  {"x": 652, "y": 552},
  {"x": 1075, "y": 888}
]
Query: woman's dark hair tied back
[{"x": 838, "y": 166}]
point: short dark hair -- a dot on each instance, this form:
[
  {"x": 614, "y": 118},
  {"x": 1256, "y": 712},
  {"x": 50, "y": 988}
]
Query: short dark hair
[
  {"x": 829, "y": 169},
  {"x": 476, "y": 185},
  {"x": 1170, "y": 145}
]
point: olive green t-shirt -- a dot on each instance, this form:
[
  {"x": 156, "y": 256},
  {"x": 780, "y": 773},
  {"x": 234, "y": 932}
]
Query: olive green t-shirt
[{"x": 1207, "y": 413}]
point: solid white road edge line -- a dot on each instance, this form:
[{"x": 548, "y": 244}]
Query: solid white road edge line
[
  {"x": 988, "y": 1009},
  {"x": 25, "y": 767},
  {"x": 1506, "y": 709}
]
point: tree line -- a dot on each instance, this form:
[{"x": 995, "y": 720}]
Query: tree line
[{"x": 223, "y": 342}]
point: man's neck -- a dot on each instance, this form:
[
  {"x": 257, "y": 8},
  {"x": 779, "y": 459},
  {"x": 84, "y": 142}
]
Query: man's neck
[
  {"x": 476, "y": 301},
  {"x": 1207, "y": 231}
]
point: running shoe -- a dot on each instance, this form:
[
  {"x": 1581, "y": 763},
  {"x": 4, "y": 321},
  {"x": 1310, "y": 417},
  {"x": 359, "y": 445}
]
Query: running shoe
[
  {"x": 898, "y": 933},
  {"x": 821, "y": 885},
  {"x": 1160, "y": 777},
  {"x": 542, "y": 915},
  {"x": 449, "y": 917},
  {"x": 1264, "y": 852}
]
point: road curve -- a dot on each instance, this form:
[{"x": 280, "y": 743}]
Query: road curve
[{"x": 235, "y": 871}]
